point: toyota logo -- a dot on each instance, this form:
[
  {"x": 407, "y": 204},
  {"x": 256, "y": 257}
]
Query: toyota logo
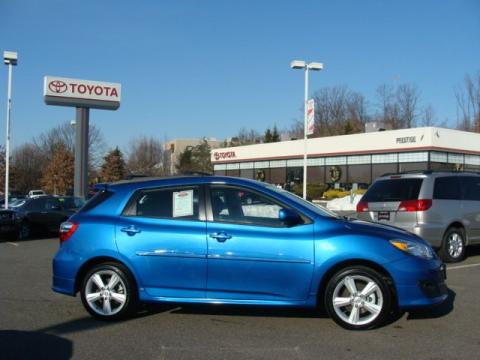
[{"x": 57, "y": 86}]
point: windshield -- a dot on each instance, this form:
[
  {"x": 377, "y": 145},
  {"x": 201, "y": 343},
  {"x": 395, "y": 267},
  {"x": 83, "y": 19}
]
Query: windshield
[
  {"x": 17, "y": 203},
  {"x": 320, "y": 210}
]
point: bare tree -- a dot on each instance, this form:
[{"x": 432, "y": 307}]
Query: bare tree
[
  {"x": 468, "y": 103},
  {"x": 428, "y": 118},
  {"x": 407, "y": 97},
  {"x": 388, "y": 111},
  {"x": 27, "y": 168},
  {"x": 338, "y": 111},
  {"x": 246, "y": 137},
  {"x": 147, "y": 157},
  {"x": 64, "y": 134}
]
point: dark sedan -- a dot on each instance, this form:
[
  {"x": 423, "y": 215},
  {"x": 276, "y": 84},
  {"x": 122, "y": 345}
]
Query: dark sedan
[{"x": 43, "y": 214}]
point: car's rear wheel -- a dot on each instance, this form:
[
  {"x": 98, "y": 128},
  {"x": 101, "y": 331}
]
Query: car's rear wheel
[
  {"x": 358, "y": 298},
  {"x": 453, "y": 247},
  {"x": 108, "y": 292}
]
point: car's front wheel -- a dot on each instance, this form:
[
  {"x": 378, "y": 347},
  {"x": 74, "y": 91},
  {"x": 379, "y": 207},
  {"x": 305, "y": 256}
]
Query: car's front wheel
[
  {"x": 108, "y": 291},
  {"x": 358, "y": 298}
]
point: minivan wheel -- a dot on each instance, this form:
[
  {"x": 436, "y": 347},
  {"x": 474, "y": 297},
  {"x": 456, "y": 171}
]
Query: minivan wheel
[
  {"x": 108, "y": 292},
  {"x": 358, "y": 298},
  {"x": 453, "y": 247}
]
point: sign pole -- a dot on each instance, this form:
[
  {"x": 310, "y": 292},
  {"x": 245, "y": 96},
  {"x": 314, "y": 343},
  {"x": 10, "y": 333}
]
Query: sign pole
[{"x": 81, "y": 152}]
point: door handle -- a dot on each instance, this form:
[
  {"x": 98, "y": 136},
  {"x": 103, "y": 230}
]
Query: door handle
[
  {"x": 220, "y": 236},
  {"x": 131, "y": 230}
]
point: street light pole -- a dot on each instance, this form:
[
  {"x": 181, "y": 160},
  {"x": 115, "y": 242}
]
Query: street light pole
[
  {"x": 305, "y": 137},
  {"x": 300, "y": 64},
  {"x": 10, "y": 59}
]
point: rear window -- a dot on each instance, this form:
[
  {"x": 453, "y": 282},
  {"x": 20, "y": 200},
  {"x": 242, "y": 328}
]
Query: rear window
[
  {"x": 393, "y": 190},
  {"x": 471, "y": 188},
  {"x": 96, "y": 200}
]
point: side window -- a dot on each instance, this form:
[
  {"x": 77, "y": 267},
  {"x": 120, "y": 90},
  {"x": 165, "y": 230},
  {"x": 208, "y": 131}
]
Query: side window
[
  {"x": 36, "y": 204},
  {"x": 242, "y": 206},
  {"x": 177, "y": 203},
  {"x": 471, "y": 188},
  {"x": 52, "y": 204},
  {"x": 447, "y": 188}
]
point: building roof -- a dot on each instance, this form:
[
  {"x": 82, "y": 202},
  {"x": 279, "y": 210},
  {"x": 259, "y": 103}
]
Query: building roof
[{"x": 415, "y": 139}]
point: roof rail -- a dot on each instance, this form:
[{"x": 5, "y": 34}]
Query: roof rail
[{"x": 427, "y": 172}]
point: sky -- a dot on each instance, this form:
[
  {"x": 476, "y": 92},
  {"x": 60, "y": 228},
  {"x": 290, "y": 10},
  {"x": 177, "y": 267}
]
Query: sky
[{"x": 191, "y": 69}]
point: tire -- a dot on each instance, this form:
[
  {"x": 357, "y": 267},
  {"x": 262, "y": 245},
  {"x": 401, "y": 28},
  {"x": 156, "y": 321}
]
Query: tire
[
  {"x": 358, "y": 298},
  {"x": 25, "y": 231},
  {"x": 453, "y": 247},
  {"x": 109, "y": 302}
]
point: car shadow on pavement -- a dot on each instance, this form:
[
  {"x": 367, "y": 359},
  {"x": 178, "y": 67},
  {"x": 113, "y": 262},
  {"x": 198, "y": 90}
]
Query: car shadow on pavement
[
  {"x": 33, "y": 345},
  {"x": 237, "y": 310},
  {"x": 435, "y": 311},
  {"x": 473, "y": 250}
]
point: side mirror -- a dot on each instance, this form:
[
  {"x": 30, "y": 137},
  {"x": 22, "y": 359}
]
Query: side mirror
[{"x": 289, "y": 217}]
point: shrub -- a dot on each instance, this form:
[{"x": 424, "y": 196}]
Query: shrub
[
  {"x": 314, "y": 191},
  {"x": 335, "y": 193}
]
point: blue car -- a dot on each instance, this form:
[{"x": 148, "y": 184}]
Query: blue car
[{"x": 223, "y": 240}]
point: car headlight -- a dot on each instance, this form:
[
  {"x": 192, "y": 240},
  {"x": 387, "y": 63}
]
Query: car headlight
[{"x": 413, "y": 248}]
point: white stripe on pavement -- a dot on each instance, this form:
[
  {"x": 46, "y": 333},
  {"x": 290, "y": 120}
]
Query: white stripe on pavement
[
  {"x": 12, "y": 243},
  {"x": 461, "y": 266}
]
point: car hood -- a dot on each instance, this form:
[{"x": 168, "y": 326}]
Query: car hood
[{"x": 386, "y": 232}]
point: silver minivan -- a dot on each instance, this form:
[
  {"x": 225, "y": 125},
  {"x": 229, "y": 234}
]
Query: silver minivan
[{"x": 441, "y": 207}]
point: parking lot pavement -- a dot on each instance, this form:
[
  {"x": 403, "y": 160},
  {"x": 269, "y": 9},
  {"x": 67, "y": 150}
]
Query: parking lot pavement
[{"x": 37, "y": 323}]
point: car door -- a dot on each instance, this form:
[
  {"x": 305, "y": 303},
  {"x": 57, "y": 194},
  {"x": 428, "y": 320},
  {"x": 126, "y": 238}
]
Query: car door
[
  {"x": 162, "y": 232},
  {"x": 53, "y": 214},
  {"x": 252, "y": 255},
  {"x": 471, "y": 206},
  {"x": 35, "y": 211}
]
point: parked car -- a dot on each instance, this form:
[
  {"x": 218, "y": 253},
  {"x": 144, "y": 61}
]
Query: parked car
[
  {"x": 441, "y": 207},
  {"x": 36, "y": 193},
  {"x": 44, "y": 213},
  {"x": 193, "y": 240}
]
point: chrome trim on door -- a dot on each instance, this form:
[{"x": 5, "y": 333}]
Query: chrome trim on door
[
  {"x": 259, "y": 259},
  {"x": 171, "y": 253}
]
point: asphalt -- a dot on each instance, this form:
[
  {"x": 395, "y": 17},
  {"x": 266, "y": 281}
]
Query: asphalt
[{"x": 36, "y": 323}]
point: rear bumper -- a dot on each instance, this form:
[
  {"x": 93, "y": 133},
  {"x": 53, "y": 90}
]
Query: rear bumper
[
  {"x": 65, "y": 267},
  {"x": 64, "y": 286},
  {"x": 419, "y": 282}
]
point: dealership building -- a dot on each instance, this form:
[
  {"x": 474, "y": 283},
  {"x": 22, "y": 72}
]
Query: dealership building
[{"x": 357, "y": 158}]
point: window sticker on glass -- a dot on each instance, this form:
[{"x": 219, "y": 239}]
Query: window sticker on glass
[{"x": 183, "y": 203}]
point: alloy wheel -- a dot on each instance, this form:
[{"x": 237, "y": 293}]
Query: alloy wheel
[
  {"x": 105, "y": 292},
  {"x": 357, "y": 300}
]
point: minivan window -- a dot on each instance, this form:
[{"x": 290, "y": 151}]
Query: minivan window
[
  {"x": 393, "y": 190},
  {"x": 471, "y": 188},
  {"x": 447, "y": 188}
]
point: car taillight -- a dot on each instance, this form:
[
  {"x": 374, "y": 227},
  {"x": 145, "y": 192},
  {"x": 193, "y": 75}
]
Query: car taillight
[
  {"x": 362, "y": 206},
  {"x": 67, "y": 229},
  {"x": 415, "y": 205}
]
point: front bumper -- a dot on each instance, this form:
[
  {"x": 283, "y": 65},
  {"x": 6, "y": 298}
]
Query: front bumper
[{"x": 419, "y": 282}]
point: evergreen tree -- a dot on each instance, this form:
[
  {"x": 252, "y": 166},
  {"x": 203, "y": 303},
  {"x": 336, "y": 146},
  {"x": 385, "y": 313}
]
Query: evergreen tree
[
  {"x": 267, "y": 138},
  {"x": 195, "y": 159},
  {"x": 275, "y": 134},
  {"x": 58, "y": 175},
  {"x": 113, "y": 167}
]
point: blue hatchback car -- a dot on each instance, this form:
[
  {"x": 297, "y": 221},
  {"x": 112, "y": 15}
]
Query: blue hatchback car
[{"x": 211, "y": 239}]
